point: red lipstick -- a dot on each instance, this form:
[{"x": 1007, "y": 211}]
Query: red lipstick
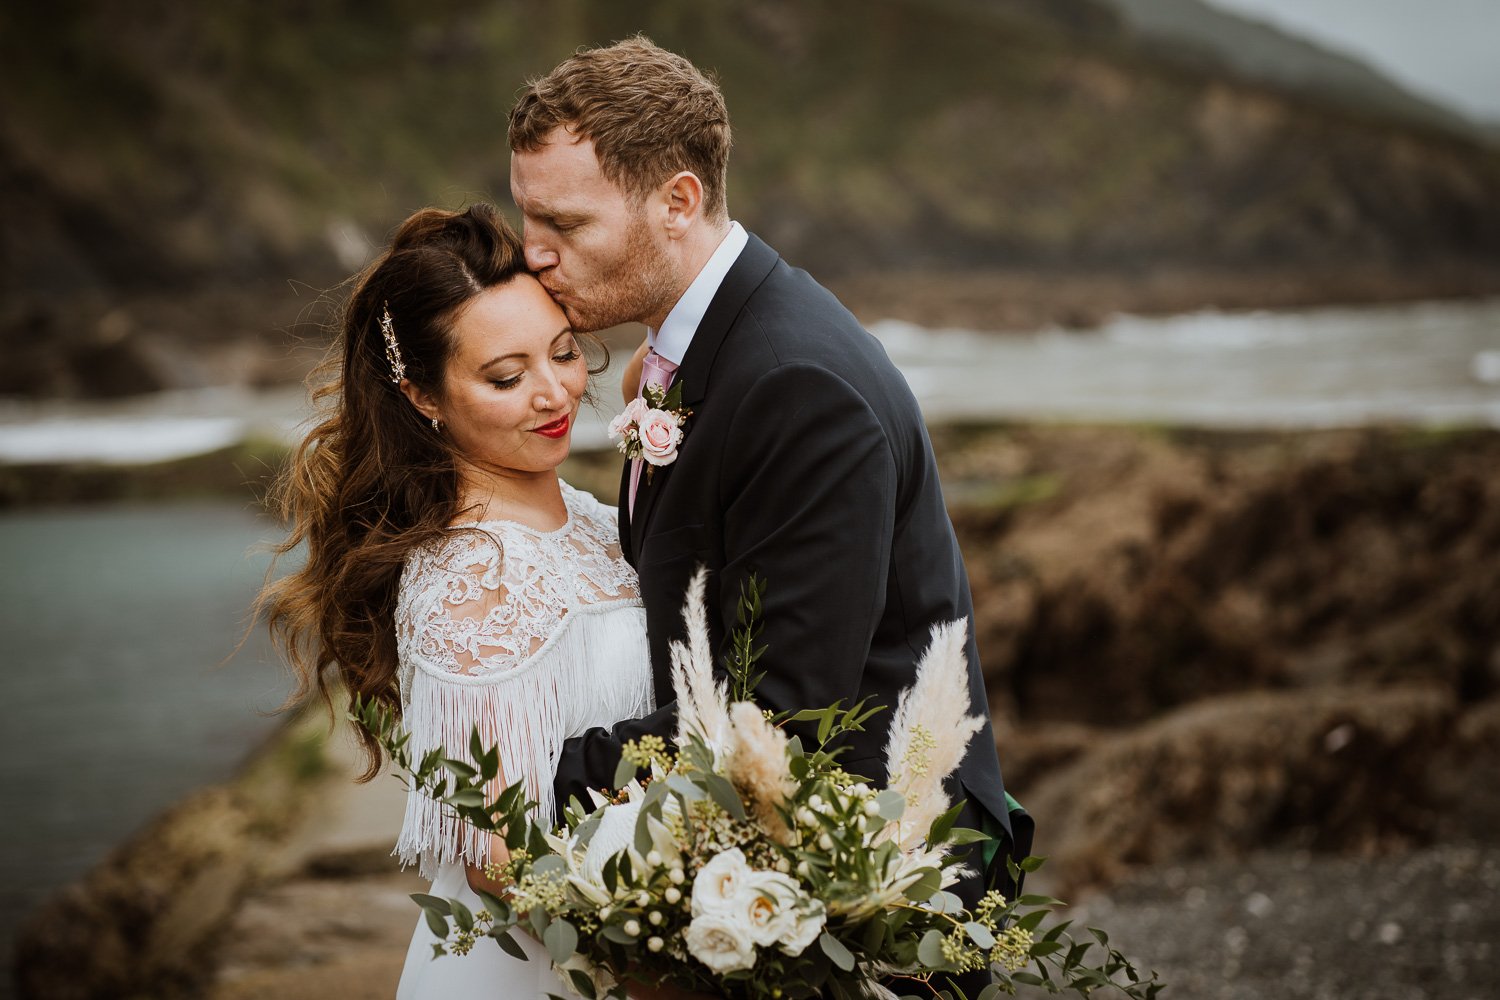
[{"x": 556, "y": 429}]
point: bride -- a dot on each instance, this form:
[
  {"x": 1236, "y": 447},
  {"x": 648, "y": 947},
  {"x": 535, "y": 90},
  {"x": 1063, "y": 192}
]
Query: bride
[{"x": 449, "y": 571}]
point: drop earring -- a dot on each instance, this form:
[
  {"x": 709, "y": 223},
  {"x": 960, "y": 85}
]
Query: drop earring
[{"x": 437, "y": 425}]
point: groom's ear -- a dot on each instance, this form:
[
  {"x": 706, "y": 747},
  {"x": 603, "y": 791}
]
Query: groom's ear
[{"x": 684, "y": 203}]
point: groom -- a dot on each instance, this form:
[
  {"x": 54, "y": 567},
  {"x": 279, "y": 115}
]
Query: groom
[{"x": 805, "y": 460}]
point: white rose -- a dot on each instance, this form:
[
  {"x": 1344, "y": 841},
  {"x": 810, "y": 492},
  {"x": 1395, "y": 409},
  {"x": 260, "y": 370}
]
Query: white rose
[
  {"x": 762, "y": 908},
  {"x": 779, "y": 912},
  {"x": 660, "y": 436},
  {"x": 720, "y": 943},
  {"x": 805, "y": 924},
  {"x": 718, "y": 884}
]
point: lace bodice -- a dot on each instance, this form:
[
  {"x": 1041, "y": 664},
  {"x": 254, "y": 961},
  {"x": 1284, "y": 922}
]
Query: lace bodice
[
  {"x": 533, "y": 637},
  {"x": 491, "y": 595}
]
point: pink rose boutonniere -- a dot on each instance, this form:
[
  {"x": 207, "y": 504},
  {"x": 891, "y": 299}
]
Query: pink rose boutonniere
[{"x": 650, "y": 427}]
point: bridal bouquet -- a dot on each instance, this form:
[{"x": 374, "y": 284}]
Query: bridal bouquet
[{"x": 747, "y": 864}]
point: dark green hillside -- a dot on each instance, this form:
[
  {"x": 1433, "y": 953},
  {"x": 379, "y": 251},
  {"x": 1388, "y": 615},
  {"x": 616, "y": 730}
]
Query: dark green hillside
[{"x": 157, "y": 149}]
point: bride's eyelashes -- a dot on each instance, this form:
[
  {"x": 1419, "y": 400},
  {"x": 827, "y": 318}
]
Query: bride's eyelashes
[{"x": 567, "y": 357}]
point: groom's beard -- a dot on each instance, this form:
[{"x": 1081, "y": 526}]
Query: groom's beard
[{"x": 638, "y": 282}]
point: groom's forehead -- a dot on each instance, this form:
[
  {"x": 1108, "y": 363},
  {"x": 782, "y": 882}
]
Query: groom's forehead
[{"x": 557, "y": 176}]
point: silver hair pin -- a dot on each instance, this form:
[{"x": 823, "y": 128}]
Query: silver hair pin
[{"x": 392, "y": 349}]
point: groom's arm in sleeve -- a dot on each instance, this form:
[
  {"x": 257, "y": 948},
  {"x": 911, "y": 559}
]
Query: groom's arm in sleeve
[
  {"x": 589, "y": 761},
  {"x": 809, "y": 507}
]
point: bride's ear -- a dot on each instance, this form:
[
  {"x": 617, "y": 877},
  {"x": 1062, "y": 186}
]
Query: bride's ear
[{"x": 423, "y": 401}]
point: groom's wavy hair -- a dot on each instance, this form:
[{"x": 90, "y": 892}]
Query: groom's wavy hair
[
  {"x": 374, "y": 479},
  {"x": 649, "y": 113}
]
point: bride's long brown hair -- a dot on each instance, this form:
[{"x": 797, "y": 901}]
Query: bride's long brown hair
[{"x": 373, "y": 479}]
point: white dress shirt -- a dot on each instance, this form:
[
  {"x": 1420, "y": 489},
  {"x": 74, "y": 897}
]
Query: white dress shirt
[{"x": 677, "y": 330}]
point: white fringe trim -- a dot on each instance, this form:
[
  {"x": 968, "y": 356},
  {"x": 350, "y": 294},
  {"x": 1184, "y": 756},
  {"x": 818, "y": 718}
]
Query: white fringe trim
[{"x": 594, "y": 671}]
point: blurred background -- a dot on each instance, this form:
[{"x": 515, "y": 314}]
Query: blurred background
[{"x": 1202, "y": 300}]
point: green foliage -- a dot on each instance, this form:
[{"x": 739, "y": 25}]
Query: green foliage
[{"x": 743, "y": 652}]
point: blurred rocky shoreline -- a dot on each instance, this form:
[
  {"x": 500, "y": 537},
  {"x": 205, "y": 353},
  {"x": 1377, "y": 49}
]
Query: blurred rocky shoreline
[
  {"x": 1249, "y": 682},
  {"x": 265, "y": 334}
]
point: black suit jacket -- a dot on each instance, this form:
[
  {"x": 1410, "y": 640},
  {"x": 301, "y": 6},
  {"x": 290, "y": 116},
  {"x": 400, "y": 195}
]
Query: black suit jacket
[{"x": 807, "y": 462}]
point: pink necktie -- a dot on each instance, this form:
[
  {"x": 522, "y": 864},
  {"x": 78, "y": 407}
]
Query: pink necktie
[{"x": 655, "y": 370}]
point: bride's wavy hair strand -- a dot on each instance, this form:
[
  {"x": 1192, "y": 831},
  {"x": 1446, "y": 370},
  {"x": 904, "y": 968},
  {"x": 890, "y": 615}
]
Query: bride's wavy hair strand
[{"x": 374, "y": 479}]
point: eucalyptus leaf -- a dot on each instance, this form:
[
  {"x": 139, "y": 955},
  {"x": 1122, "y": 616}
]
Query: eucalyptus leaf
[
  {"x": 725, "y": 796},
  {"x": 624, "y": 771},
  {"x": 547, "y": 864},
  {"x": 431, "y": 902},
  {"x": 946, "y": 902},
  {"x": 685, "y": 787},
  {"x": 462, "y": 916},
  {"x": 922, "y": 889},
  {"x": 499, "y": 908},
  {"x": 836, "y": 952},
  {"x": 930, "y": 951},
  {"x": 980, "y": 935},
  {"x": 437, "y": 923},
  {"x": 891, "y": 804},
  {"x": 561, "y": 940},
  {"x": 612, "y": 932}
]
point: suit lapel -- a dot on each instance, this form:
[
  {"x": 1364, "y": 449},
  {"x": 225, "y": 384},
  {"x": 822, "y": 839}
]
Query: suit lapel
[
  {"x": 745, "y": 276},
  {"x": 627, "y": 543}
]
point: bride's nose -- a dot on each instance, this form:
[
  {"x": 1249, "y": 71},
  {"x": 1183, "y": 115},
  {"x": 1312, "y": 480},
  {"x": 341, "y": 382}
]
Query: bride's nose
[{"x": 550, "y": 395}]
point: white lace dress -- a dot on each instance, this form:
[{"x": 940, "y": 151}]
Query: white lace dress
[{"x": 535, "y": 637}]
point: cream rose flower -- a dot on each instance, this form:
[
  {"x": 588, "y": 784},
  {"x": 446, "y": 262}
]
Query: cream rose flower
[
  {"x": 779, "y": 912},
  {"x": 718, "y": 884},
  {"x": 762, "y": 906},
  {"x": 804, "y": 925},
  {"x": 660, "y": 436},
  {"x": 720, "y": 942}
]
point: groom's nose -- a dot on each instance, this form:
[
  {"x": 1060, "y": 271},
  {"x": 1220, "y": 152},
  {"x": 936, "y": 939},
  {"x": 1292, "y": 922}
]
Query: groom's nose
[{"x": 538, "y": 256}]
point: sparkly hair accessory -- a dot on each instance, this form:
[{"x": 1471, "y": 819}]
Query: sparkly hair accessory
[{"x": 392, "y": 350}]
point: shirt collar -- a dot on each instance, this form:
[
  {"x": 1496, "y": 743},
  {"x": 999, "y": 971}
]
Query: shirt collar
[{"x": 677, "y": 330}]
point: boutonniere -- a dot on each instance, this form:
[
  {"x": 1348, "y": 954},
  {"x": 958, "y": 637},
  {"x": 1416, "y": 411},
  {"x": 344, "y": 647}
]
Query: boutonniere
[{"x": 650, "y": 428}]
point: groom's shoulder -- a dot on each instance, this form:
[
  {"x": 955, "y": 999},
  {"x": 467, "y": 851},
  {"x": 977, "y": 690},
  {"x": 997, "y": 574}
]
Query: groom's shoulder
[{"x": 801, "y": 321}]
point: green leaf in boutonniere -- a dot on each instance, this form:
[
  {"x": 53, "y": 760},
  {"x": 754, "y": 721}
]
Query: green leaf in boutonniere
[{"x": 673, "y": 399}]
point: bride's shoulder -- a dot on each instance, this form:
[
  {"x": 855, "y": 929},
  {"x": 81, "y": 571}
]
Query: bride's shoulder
[
  {"x": 467, "y": 550},
  {"x": 583, "y": 504}
]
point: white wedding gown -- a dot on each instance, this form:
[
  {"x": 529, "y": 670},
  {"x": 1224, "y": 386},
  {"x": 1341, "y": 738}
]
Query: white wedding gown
[{"x": 535, "y": 637}]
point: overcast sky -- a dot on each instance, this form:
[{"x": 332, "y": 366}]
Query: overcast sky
[{"x": 1447, "y": 50}]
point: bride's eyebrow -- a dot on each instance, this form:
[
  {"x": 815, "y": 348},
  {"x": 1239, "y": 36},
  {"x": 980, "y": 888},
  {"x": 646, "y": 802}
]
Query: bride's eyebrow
[
  {"x": 564, "y": 332},
  {"x": 504, "y": 357}
]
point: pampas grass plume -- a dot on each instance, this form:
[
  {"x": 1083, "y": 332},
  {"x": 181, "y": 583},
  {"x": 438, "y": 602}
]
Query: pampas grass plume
[
  {"x": 757, "y": 766},
  {"x": 926, "y": 743},
  {"x": 700, "y": 700}
]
